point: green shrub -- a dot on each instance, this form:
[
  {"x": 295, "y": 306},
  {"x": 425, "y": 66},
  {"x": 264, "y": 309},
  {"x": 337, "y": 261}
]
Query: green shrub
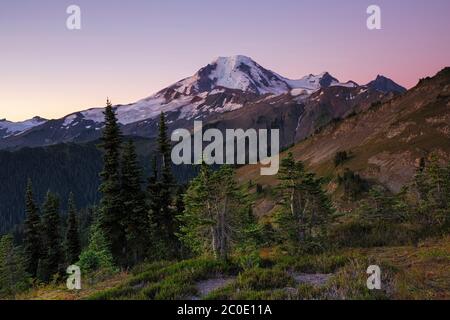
[
  {"x": 97, "y": 255},
  {"x": 163, "y": 280},
  {"x": 261, "y": 279}
]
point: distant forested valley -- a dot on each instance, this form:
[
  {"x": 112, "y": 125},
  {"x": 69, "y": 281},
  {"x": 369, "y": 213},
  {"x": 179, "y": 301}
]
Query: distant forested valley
[{"x": 62, "y": 169}]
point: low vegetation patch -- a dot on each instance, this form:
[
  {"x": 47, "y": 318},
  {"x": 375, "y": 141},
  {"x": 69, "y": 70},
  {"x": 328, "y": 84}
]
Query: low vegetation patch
[{"x": 165, "y": 280}]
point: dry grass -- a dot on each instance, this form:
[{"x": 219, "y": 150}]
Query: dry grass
[{"x": 60, "y": 292}]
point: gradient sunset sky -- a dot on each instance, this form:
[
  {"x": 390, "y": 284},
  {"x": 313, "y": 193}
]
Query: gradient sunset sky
[{"x": 128, "y": 50}]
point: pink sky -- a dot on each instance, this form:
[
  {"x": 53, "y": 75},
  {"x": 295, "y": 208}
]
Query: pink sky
[{"x": 128, "y": 52}]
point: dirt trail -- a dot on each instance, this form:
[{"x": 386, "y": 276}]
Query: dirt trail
[
  {"x": 207, "y": 286},
  {"x": 314, "y": 279}
]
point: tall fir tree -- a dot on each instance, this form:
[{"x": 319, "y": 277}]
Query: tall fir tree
[
  {"x": 165, "y": 148},
  {"x": 73, "y": 246},
  {"x": 32, "y": 236},
  {"x": 52, "y": 257},
  {"x": 111, "y": 216},
  {"x": 167, "y": 179},
  {"x": 136, "y": 220},
  {"x": 162, "y": 211}
]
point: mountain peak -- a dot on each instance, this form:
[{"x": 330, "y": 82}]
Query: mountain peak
[
  {"x": 327, "y": 79},
  {"x": 385, "y": 85},
  {"x": 236, "y": 72},
  {"x": 37, "y": 119},
  {"x": 234, "y": 61}
]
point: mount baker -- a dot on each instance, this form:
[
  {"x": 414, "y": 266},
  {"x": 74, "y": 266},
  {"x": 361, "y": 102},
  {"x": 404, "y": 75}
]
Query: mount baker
[{"x": 230, "y": 92}]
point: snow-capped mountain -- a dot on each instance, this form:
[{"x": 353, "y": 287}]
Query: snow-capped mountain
[
  {"x": 217, "y": 87},
  {"x": 244, "y": 74},
  {"x": 227, "y": 84},
  {"x": 9, "y": 128}
]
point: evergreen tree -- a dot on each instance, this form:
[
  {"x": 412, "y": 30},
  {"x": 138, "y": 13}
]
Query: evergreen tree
[
  {"x": 136, "y": 220},
  {"x": 111, "y": 217},
  {"x": 164, "y": 148},
  {"x": 432, "y": 189},
  {"x": 32, "y": 235},
  {"x": 167, "y": 215},
  {"x": 215, "y": 218},
  {"x": 353, "y": 184},
  {"x": 381, "y": 206},
  {"x": 291, "y": 220},
  {"x": 52, "y": 261},
  {"x": 154, "y": 213},
  {"x": 306, "y": 208},
  {"x": 162, "y": 197},
  {"x": 97, "y": 255},
  {"x": 13, "y": 275},
  {"x": 73, "y": 247}
]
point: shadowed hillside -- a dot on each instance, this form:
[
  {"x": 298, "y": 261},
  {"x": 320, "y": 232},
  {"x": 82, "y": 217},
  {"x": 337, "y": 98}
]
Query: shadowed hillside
[{"x": 386, "y": 142}]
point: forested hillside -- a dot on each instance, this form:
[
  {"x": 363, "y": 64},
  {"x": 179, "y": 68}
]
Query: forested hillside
[{"x": 62, "y": 169}]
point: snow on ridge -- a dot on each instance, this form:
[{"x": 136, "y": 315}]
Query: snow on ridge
[
  {"x": 94, "y": 114},
  {"x": 311, "y": 83},
  {"x": 300, "y": 92},
  {"x": 68, "y": 120},
  {"x": 348, "y": 84},
  {"x": 148, "y": 108},
  {"x": 14, "y": 128},
  {"x": 187, "y": 85}
]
